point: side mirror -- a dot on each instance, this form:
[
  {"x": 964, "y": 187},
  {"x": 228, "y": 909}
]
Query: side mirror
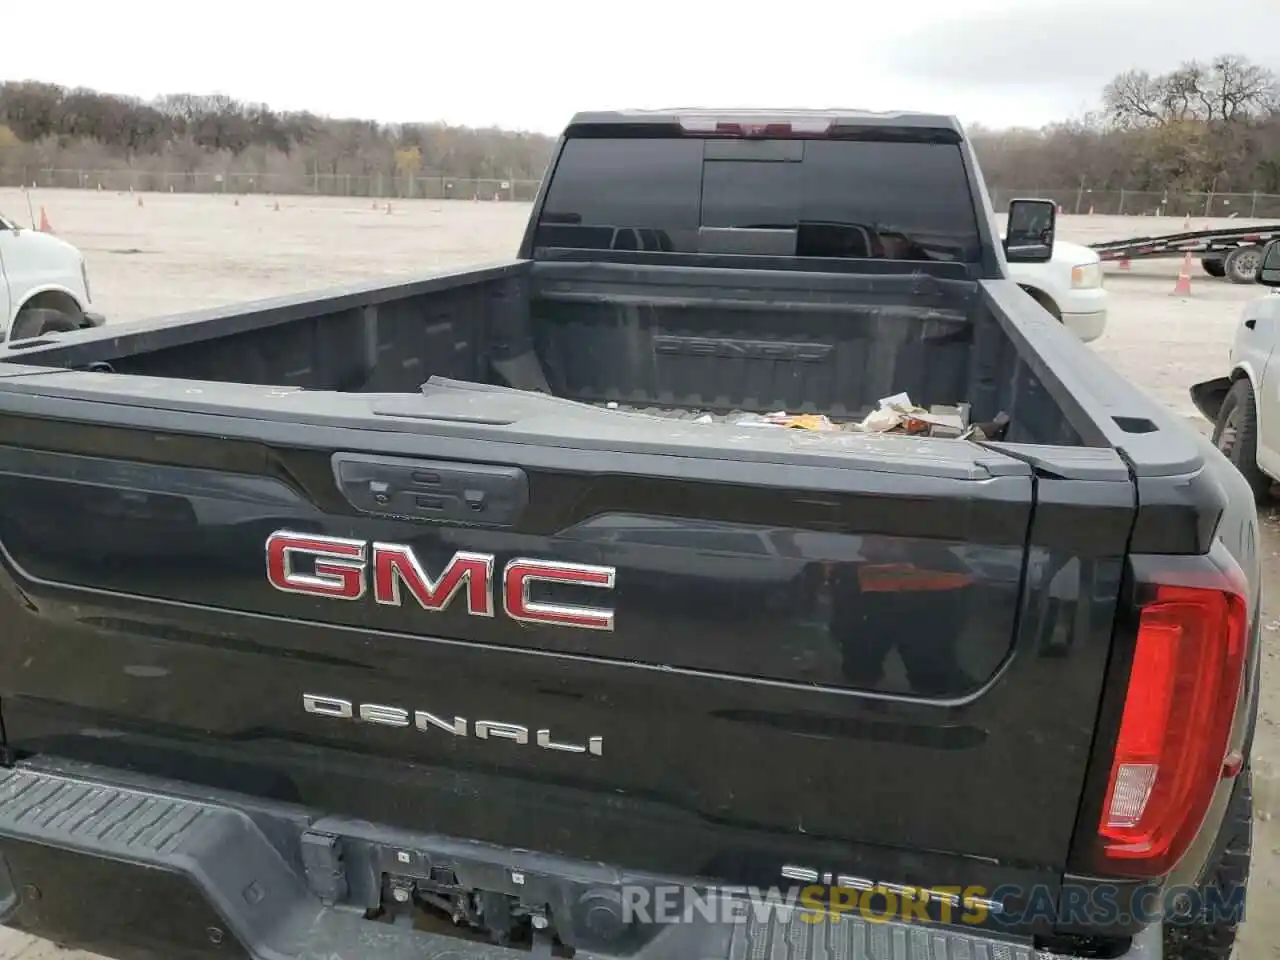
[
  {"x": 1029, "y": 236},
  {"x": 1269, "y": 272}
]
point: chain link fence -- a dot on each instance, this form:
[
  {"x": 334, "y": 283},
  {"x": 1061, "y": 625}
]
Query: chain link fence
[
  {"x": 407, "y": 187},
  {"x": 1080, "y": 200}
]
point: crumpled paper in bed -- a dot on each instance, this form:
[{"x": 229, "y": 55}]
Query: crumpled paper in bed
[{"x": 897, "y": 414}]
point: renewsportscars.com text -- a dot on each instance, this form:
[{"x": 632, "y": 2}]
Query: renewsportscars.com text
[{"x": 1101, "y": 905}]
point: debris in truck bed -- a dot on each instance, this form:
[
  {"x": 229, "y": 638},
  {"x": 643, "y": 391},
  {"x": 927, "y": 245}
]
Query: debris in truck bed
[
  {"x": 883, "y": 420},
  {"x": 994, "y": 430},
  {"x": 802, "y": 421},
  {"x": 895, "y": 415}
]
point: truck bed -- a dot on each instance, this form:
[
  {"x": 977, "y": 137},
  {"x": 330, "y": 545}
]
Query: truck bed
[{"x": 683, "y": 341}]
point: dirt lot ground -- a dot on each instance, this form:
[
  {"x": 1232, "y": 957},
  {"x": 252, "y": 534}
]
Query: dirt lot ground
[{"x": 178, "y": 252}]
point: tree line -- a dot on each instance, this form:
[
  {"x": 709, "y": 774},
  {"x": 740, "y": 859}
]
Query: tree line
[
  {"x": 1205, "y": 127},
  {"x": 47, "y": 127}
]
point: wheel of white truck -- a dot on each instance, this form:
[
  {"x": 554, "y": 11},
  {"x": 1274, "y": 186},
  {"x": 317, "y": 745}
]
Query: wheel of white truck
[
  {"x": 1214, "y": 267},
  {"x": 1213, "y": 937},
  {"x": 1236, "y": 435},
  {"x": 1045, "y": 301},
  {"x": 1242, "y": 264},
  {"x": 37, "y": 321}
]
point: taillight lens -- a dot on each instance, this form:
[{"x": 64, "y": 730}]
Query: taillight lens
[{"x": 1175, "y": 729}]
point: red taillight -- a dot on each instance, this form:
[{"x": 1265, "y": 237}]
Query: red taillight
[
  {"x": 1171, "y": 750},
  {"x": 756, "y": 128}
]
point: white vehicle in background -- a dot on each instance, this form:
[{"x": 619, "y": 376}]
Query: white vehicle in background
[
  {"x": 44, "y": 284},
  {"x": 1069, "y": 286},
  {"x": 1244, "y": 406}
]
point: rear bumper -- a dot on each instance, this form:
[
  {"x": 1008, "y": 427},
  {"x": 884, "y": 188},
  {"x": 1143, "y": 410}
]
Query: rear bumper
[{"x": 129, "y": 871}]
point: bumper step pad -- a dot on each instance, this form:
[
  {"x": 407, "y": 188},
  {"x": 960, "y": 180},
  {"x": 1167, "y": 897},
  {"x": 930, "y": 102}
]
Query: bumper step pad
[
  {"x": 216, "y": 857},
  {"x": 263, "y": 902}
]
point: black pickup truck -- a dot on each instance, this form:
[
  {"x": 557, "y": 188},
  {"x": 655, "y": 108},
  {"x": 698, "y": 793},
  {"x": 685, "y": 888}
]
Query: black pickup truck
[{"x": 471, "y": 617}]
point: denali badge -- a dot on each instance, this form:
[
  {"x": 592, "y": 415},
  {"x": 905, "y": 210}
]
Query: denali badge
[
  {"x": 386, "y": 716},
  {"x": 952, "y": 896},
  {"x": 342, "y": 570}
]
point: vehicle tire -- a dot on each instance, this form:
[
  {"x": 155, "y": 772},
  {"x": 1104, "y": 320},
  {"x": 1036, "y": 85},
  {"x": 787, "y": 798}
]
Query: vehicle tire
[
  {"x": 37, "y": 321},
  {"x": 1045, "y": 301},
  {"x": 1214, "y": 268},
  {"x": 1236, "y": 435},
  {"x": 1213, "y": 938},
  {"x": 1242, "y": 264}
]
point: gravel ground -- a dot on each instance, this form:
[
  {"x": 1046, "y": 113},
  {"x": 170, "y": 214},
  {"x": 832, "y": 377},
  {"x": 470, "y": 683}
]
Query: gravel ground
[{"x": 181, "y": 252}]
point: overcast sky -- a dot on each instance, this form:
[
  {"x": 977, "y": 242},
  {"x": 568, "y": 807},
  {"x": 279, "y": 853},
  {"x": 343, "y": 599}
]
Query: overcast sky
[{"x": 530, "y": 65}]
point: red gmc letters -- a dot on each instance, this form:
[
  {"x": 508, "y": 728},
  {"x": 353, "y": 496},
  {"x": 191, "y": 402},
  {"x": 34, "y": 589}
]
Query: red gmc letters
[{"x": 343, "y": 569}]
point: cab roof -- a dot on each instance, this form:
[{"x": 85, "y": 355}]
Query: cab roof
[{"x": 836, "y": 117}]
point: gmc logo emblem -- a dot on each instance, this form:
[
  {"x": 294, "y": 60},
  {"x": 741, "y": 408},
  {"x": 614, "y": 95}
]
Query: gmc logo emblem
[{"x": 342, "y": 569}]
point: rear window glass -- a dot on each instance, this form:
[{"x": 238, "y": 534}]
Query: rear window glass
[{"x": 808, "y": 198}]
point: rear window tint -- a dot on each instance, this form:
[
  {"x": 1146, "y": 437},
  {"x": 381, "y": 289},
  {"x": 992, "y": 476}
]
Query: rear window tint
[
  {"x": 812, "y": 198},
  {"x": 630, "y": 194}
]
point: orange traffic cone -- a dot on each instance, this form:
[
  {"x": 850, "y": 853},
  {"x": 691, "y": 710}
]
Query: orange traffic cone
[
  {"x": 1183, "y": 287},
  {"x": 44, "y": 222}
]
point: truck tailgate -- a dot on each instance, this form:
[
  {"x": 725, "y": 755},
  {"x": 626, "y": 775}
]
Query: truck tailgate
[{"x": 706, "y": 662}]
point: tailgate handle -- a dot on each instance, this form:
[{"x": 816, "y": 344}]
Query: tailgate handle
[{"x": 441, "y": 490}]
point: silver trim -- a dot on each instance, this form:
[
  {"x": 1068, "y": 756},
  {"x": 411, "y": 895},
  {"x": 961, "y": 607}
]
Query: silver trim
[
  {"x": 505, "y": 731},
  {"x": 383, "y": 715},
  {"x": 907, "y": 891},
  {"x": 327, "y": 706},
  {"x": 422, "y": 719},
  {"x": 404, "y": 553},
  {"x": 556, "y": 614},
  {"x": 319, "y": 579},
  {"x": 595, "y": 745}
]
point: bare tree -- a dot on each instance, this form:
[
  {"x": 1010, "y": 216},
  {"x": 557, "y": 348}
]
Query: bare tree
[
  {"x": 1230, "y": 89},
  {"x": 1135, "y": 99}
]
